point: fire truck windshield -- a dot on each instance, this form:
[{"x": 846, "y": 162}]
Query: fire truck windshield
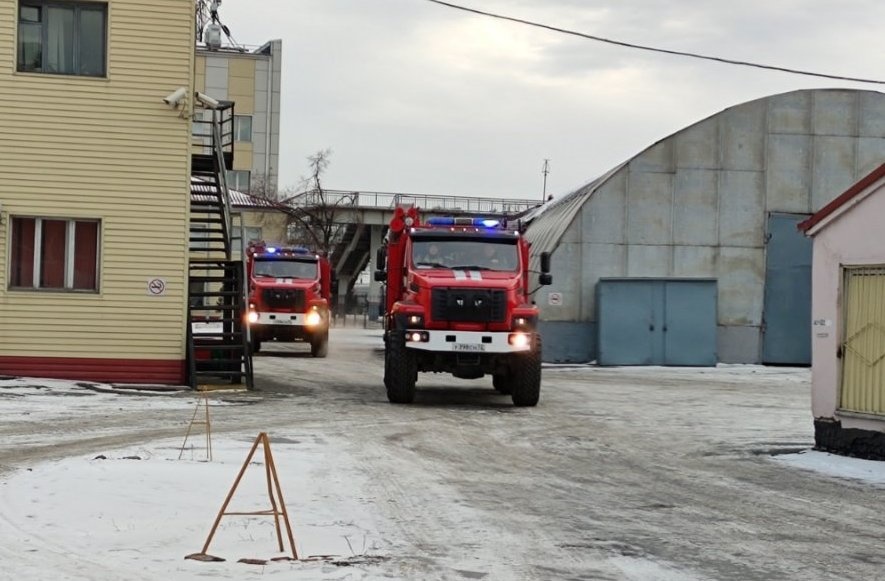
[
  {"x": 283, "y": 268},
  {"x": 465, "y": 254}
]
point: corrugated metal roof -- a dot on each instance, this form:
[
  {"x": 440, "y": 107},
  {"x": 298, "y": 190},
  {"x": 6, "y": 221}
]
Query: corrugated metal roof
[
  {"x": 549, "y": 222},
  {"x": 237, "y": 199}
]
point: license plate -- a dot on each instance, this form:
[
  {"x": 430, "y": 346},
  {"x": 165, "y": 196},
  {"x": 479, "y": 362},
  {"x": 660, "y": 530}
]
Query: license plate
[
  {"x": 282, "y": 321},
  {"x": 469, "y": 347}
]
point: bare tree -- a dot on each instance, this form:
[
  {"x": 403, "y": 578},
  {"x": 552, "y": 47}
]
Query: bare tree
[{"x": 319, "y": 217}]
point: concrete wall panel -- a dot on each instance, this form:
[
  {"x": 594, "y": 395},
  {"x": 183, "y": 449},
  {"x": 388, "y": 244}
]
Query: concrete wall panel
[
  {"x": 660, "y": 157},
  {"x": 834, "y": 113},
  {"x": 741, "y": 208},
  {"x": 871, "y": 113},
  {"x": 649, "y": 261},
  {"x": 739, "y": 344},
  {"x": 790, "y": 113},
  {"x": 603, "y": 216},
  {"x": 743, "y": 137},
  {"x": 565, "y": 342},
  {"x": 649, "y": 208},
  {"x": 695, "y": 261},
  {"x": 788, "y": 179},
  {"x": 870, "y": 154},
  {"x": 600, "y": 261},
  {"x": 741, "y": 275},
  {"x": 696, "y": 207},
  {"x": 834, "y": 169},
  {"x": 564, "y": 265},
  {"x": 698, "y": 146}
]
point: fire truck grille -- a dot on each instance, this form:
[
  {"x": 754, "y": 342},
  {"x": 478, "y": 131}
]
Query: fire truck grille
[
  {"x": 284, "y": 298},
  {"x": 468, "y": 305}
]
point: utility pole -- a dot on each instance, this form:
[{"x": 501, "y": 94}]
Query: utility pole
[{"x": 545, "y": 170}]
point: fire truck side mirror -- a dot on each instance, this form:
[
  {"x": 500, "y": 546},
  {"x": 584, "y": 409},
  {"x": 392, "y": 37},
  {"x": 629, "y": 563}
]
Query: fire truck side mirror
[
  {"x": 545, "y": 262},
  {"x": 380, "y": 265}
]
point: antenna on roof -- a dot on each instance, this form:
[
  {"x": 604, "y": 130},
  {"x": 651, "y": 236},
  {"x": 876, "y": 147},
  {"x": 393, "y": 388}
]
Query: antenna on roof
[{"x": 210, "y": 27}]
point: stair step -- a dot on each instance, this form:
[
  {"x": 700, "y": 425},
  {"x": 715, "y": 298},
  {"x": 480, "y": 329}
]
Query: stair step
[
  {"x": 219, "y": 347},
  {"x": 219, "y": 335},
  {"x": 215, "y": 294},
  {"x": 231, "y": 374},
  {"x": 229, "y": 279},
  {"x": 221, "y": 320}
]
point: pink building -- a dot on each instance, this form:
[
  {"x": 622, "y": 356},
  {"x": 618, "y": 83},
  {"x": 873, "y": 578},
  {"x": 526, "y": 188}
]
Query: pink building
[{"x": 848, "y": 320}]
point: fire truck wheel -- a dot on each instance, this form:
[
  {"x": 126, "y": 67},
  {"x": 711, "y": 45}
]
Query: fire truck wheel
[
  {"x": 502, "y": 383},
  {"x": 400, "y": 369},
  {"x": 526, "y": 373},
  {"x": 319, "y": 345}
]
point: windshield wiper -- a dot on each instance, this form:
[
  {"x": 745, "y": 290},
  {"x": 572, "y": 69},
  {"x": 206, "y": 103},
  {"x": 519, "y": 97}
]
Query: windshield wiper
[
  {"x": 471, "y": 267},
  {"x": 431, "y": 264}
]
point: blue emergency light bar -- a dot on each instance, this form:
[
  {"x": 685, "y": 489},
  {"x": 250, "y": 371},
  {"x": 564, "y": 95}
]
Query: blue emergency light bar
[
  {"x": 453, "y": 221},
  {"x": 292, "y": 250}
]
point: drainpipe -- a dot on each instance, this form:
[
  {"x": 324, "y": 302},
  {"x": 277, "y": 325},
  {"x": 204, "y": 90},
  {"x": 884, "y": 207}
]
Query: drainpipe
[{"x": 269, "y": 121}]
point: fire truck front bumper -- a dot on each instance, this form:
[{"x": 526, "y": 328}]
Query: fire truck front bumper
[
  {"x": 290, "y": 319},
  {"x": 469, "y": 341}
]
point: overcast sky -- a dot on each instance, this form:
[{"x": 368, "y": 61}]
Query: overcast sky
[{"x": 414, "y": 97}]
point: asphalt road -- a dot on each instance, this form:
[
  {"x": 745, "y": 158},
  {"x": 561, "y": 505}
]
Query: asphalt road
[{"x": 617, "y": 474}]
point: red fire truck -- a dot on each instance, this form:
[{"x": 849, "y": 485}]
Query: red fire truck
[
  {"x": 289, "y": 296},
  {"x": 457, "y": 301}
]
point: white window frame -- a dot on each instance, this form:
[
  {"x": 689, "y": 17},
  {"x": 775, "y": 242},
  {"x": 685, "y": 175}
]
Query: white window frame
[{"x": 238, "y": 125}]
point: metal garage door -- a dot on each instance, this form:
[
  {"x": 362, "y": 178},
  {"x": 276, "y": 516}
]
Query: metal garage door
[
  {"x": 656, "y": 321},
  {"x": 787, "y": 313}
]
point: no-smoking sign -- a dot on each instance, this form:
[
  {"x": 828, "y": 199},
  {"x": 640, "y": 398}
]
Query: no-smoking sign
[{"x": 156, "y": 287}]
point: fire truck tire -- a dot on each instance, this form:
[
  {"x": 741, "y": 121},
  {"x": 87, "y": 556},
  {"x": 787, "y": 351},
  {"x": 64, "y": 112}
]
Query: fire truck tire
[
  {"x": 503, "y": 383},
  {"x": 319, "y": 345},
  {"x": 400, "y": 369},
  {"x": 526, "y": 374}
]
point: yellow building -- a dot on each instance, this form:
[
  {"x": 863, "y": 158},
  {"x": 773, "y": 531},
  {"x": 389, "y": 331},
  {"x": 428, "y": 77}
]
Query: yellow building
[
  {"x": 94, "y": 206},
  {"x": 252, "y": 79}
]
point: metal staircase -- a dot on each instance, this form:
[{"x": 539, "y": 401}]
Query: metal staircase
[{"x": 217, "y": 342}]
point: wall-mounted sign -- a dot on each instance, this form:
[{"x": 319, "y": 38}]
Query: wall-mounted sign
[
  {"x": 554, "y": 299},
  {"x": 156, "y": 287}
]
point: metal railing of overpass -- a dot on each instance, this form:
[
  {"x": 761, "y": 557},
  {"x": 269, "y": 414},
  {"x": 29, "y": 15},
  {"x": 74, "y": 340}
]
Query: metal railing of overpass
[{"x": 426, "y": 202}]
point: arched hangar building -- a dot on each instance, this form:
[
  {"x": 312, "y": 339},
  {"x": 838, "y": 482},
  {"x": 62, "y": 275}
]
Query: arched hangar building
[{"x": 688, "y": 253}]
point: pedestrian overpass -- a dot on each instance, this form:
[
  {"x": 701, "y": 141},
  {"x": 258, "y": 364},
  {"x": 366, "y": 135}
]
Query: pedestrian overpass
[{"x": 364, "y": 217}]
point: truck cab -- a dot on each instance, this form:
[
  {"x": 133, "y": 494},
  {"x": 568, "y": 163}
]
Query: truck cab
[
  {"x": 458, "y": 301},
  {"x": 289, "y": 296}
]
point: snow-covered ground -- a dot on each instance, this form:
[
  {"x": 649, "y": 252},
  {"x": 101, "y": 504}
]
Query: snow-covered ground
[
  {"x": 139, "y": 509},
  {"x": 135, "y": 512}
]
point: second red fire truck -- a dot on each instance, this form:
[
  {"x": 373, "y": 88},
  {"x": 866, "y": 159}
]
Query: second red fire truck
[{"x": 289, "y": 296}]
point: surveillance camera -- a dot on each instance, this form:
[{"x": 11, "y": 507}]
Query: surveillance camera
[
  {"x": 207, "y": 101},
  {"x": 175, "y": 98}
]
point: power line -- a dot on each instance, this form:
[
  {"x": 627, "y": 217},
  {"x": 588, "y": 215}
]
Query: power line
[{"x": 658, "y": 50}]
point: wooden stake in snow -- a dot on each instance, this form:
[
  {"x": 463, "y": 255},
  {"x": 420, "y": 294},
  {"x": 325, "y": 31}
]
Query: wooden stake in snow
[
  {"x": 204, "y": 401},
  {"x": 277, "y": 505}
]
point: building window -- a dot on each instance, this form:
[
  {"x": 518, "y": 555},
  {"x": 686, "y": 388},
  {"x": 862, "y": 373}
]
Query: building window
[
  {"x": 242, "y": 128},
  {"x": 253, "y": 234},
  {"x": 49, "y": 253},
  {"x": 239, "y": 179},
  {"x": 65, "y": 38}
]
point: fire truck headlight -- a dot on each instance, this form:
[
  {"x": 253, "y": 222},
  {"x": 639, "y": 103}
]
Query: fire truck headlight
[
  {"x": 418, "y": 336},
  {"x": 252, "y": 317},
  {"x": 312, "y": 319},
  {"x": 519, "y": 340},
  {"x": 416, "y": 320}
]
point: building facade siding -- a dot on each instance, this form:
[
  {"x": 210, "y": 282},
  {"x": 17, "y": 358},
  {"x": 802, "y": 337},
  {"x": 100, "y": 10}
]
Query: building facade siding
[{"x": 105, "y": 149}]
